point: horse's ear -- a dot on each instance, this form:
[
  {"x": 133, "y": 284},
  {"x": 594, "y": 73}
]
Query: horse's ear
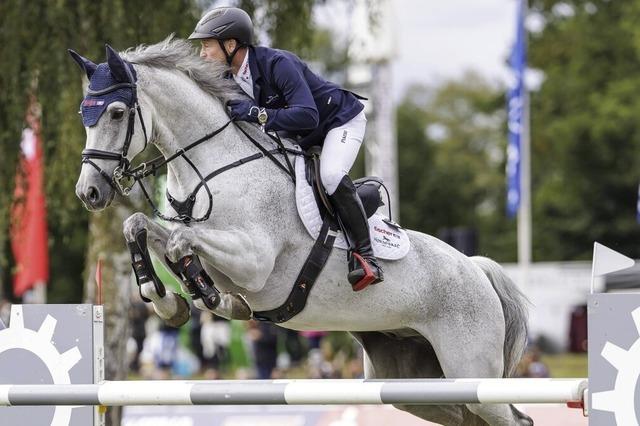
[
  {"x": 116, "y": 65},
  {"x": 85, "y": 64}
]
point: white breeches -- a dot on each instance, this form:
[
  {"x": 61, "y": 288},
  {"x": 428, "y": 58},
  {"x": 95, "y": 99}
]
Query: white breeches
[{"x": 340, "y": 150}]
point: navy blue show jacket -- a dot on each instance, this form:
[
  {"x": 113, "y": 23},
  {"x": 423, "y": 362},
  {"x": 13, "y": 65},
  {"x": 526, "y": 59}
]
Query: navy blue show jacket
[{"x": 298, "y": 101}]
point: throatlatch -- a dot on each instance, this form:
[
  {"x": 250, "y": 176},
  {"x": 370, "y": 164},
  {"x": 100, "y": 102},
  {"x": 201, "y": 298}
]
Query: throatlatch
[
  {"x": 142, "y": 266},
  {"x": 199, "y": 284}
]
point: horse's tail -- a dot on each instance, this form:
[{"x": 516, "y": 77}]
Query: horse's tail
[{"x": 514, "y": 305}]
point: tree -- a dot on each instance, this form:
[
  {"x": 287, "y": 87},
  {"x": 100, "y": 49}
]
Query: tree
[
  {"x": 585, "y": 129},
  {"x": 451, "y": 140}
]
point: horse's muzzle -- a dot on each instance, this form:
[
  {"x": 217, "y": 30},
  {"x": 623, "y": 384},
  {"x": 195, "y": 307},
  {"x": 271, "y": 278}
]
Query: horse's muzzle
[{"x": 94, "y": 197}]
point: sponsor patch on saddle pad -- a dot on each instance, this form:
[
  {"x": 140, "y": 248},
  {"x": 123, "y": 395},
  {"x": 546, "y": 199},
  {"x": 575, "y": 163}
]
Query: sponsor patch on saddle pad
[{"x": 388, "y": 242}]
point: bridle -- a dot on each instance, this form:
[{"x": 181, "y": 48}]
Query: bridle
[
  {"x": 124, "y": 170},
  {"x": 121, "y": 157}
]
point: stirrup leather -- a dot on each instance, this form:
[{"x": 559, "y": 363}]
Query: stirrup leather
[
  {"x": 142, "y": 265},
  {"x": 199, "y": 284}
]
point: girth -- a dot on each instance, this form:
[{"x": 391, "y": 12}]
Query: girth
[{"x": 307, "y": 277}]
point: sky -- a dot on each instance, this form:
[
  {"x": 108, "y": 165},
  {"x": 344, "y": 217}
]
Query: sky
[{"x": 437, "y": 40}]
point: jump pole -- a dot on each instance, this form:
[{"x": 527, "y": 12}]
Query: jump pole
[{"x": 299, "y": 392}]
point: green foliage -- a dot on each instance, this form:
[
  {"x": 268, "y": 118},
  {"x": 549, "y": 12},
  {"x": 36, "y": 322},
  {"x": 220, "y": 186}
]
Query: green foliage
[
  {"x": 288, "y": 24},
  {"x": 34, "y": 37},
  {"x": 451, "y": 141},
  {"x": 585, "y": 129}
]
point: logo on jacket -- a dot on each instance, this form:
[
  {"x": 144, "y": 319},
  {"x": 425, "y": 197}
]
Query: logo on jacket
[{"x": 272, "y": 98}]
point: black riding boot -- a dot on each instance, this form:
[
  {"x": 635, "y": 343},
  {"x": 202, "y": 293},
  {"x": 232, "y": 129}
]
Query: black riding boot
[{"x": 363, "y": 266}]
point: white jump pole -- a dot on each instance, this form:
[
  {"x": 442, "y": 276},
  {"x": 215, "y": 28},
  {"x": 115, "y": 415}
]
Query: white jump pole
[{"x": 298, "y": 392}]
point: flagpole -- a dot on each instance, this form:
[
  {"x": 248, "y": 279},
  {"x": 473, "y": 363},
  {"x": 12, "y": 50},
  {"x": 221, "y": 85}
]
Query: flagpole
[
  {"x": 594, "y": 259},
  {"x": 524, "y": 209}
]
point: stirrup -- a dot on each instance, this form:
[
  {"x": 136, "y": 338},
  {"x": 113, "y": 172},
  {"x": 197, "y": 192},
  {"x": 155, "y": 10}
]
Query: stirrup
[
  {"x": 361, "y": 280},
  {"x": 198, "y": 282},
  {"x": 142, "y": 265}
]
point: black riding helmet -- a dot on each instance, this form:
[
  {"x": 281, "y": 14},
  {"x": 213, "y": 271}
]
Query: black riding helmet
[{"x": 224, "y": 23}]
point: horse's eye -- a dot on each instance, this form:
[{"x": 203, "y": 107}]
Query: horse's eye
[{"x": 117, "y": 114}]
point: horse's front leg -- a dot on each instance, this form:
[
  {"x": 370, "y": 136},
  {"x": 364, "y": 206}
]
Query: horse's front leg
[
  {"x": 247, "y": 260},
  {"x": 140, "y": 231}
]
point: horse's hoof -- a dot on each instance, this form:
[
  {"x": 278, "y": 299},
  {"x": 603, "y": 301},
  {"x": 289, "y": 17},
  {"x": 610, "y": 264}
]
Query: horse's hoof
[
  {"x": 523, "y": 419},
  {"x": 240, "y": 308},
  {"x": 182, "y": 315}
]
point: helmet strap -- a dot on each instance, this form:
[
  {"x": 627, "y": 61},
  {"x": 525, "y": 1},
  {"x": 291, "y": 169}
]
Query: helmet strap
[{"x": 231, "y": 55}]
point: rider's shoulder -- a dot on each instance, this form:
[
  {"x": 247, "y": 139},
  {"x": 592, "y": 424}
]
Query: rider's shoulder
[{"x": 270, "y": 54}]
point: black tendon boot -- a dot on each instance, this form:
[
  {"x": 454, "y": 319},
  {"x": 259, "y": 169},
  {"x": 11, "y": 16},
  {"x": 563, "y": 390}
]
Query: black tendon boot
[{"x": 363, "y": 266}]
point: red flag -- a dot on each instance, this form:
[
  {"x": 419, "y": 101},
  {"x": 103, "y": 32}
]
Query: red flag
[{"x": 28, "y": 213}]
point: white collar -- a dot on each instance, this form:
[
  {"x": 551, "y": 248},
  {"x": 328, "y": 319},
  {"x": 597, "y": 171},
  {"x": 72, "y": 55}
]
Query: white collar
[
  {"x": 244, "y": 72},
  {"x": 243, "y": 78}
]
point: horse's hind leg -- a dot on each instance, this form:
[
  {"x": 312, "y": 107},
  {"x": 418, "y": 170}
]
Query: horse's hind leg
[
  {"x": 388, "y": 357},
  {"x": 470, "y": 345},
  {"x": 169, "y": 306}
]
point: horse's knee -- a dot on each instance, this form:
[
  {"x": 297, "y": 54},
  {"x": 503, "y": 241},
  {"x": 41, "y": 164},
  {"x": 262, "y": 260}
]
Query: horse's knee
[
  {"x": 180, "y": 243},
  {"x": 133, "y": 224}
]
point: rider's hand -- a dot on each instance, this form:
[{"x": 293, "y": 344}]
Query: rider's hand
[{"x": 243, "y": 110}]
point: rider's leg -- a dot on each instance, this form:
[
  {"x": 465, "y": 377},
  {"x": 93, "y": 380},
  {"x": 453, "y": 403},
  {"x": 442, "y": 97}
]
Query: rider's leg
[{"x": 339, "y": 152}]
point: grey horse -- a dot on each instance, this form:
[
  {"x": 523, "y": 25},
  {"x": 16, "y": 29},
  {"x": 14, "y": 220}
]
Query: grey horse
[{"x": 438, "y": 314}]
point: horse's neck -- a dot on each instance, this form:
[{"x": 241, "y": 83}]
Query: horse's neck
[{"x": 181, "y": 114}]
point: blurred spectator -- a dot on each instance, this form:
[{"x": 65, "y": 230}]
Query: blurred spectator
[
  {"x": 294, "y": 346},
  {"x": 314, "y": 338},
  {"x": 264, "y": 338},
  {"x": 531, "y": 365},
  {"x": 578, "y": 336},
  {"x": 138, "y": 314},
  {"x": 195, "y": 329},
  {"x": 165, "y": 350},
  {"x": 215, "y": 338}
]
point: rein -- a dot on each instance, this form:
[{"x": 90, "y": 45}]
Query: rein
[{"x": 185, "y": 208}]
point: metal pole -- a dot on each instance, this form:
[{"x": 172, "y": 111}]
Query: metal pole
[
  {"x": 299, "y": 392},
  {"x": 524, "y": 210}
]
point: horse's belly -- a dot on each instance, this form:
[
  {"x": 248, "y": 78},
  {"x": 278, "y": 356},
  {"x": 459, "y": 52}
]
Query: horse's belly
[{"x": 373, "y": 309}]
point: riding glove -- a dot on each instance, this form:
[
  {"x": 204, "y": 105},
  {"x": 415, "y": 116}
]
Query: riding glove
[{"x": 243, "y": 110}]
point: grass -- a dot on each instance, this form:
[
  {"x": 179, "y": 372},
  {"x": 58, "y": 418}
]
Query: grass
[{"x": 567, "y": 365}]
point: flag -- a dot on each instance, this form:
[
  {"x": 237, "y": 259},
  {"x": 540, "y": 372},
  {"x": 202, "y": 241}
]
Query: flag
[
  {"x": 28, "y": 212},
  {"x": 606, "y": 261},
  {"x": 515, "y": 111}
]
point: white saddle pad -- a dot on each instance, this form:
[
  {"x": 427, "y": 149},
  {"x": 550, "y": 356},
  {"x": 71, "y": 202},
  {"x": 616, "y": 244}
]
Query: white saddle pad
[{"x": 388, "y": 242}]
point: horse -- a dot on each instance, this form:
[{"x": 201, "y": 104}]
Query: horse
[{"x": 437, "y": 314}]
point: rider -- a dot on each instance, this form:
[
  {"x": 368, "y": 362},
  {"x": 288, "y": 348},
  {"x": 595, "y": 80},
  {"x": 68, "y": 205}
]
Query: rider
[{"x": 285, "y": 95}]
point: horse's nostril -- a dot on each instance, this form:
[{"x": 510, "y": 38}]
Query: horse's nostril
[{"x": 93, "y": 194}]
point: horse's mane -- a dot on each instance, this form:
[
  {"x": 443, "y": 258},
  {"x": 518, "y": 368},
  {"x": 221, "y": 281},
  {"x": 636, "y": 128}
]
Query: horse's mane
[{"x": 175, "y": 53}]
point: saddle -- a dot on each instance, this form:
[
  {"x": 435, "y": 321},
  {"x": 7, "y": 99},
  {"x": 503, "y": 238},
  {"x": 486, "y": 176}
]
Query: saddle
[
  {"x": 368, "y": 188},
  {"x": 388, "y": 239}
]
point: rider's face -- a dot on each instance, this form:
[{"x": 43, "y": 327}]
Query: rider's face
[{"x": 210, "y": 51}]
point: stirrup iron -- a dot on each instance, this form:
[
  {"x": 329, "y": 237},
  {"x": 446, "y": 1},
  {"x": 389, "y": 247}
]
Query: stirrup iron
[{"x": 359, "y": 281}]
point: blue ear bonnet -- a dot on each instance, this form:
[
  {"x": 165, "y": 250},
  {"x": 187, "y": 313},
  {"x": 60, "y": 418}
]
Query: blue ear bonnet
[{"x": 94, "y": 105}]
